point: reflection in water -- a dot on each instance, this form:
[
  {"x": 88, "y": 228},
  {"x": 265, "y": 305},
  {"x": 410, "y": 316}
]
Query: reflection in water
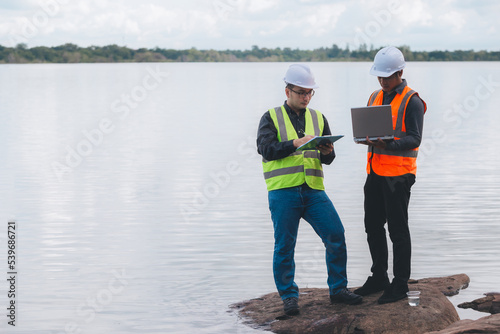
[{"x": 163, "y": 222}]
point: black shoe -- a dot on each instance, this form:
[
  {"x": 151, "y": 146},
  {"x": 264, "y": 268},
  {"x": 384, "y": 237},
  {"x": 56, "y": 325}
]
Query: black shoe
[
  {"x": 347, "y": 297},
  {"x": 372, "y": 285},
  {"x": 393, "y": 293},
  {"x": 291, "y": 306}
]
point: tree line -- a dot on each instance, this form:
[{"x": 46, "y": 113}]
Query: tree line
[{"x": 71, "y": 53}]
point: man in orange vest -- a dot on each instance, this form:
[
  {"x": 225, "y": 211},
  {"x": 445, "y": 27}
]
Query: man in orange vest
[{"x": 391, "y": 172}]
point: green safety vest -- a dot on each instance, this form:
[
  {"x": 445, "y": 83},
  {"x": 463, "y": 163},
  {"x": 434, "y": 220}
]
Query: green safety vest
[{"x": 300, "y": 166}]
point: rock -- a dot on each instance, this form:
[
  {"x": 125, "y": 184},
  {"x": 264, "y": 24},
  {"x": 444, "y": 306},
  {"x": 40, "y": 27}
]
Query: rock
[
  {"x": 449, "y": 286},
  {"x": 489, "y": 324},
  {"x": 317, "y": 315},
  {"x": 488, "y": 304}
]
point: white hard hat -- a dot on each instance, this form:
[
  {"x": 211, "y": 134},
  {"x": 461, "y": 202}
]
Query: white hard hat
[
  {"x": 387, "y": 61},
  {"x": 300, "y": 75}
]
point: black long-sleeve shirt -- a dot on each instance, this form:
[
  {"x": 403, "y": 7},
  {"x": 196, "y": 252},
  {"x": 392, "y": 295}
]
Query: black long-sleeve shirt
[
  {"x": 271, "y": 148},
  {"x": 414, "y": 121}
]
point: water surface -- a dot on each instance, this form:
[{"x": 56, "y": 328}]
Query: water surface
[{"x": 141, "y": 206}]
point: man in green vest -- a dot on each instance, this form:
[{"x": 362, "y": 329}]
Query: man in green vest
[{"x": 294, "y": 180}]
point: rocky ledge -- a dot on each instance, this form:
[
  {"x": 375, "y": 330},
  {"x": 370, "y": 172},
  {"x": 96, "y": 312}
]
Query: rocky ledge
[
  {"x": 434, "y": 314},
  {"x": 489, "y": 324},
  {"x": 488, "y": 304}
]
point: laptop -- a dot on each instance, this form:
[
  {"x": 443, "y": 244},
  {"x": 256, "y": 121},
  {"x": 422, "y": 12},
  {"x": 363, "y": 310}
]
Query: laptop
[{"x": 373, "y": 122}]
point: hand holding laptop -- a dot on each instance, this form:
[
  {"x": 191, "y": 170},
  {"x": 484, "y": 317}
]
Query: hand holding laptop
[
  {"x": 378, "y": 143},
  {"x": 372, "y": 125}
]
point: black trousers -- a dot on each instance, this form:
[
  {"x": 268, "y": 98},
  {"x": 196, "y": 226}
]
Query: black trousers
[{"x": 386, "y": 201}]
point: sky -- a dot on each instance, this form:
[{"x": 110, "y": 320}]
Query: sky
[{"x": 423, "y": 25}]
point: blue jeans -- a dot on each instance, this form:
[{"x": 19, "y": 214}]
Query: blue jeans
[{"x": 287, "y": 207}]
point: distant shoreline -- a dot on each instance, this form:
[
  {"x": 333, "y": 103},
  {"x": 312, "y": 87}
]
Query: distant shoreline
[{"x": 71, "y": 53}]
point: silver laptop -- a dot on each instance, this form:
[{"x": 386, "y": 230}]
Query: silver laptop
[{"x": 373, "y": 122}]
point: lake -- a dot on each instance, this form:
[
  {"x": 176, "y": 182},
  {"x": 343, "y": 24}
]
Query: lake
[{"x": 139, "y": 202}]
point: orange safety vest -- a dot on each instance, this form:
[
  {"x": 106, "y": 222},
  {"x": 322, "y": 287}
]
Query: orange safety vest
[{"x": 393, "y": 163}]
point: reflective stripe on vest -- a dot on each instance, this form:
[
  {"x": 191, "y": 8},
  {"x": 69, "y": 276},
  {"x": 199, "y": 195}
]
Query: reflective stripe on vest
[
  {"x": 394, "y": 163},
  {"x": 300, "y": 166}
]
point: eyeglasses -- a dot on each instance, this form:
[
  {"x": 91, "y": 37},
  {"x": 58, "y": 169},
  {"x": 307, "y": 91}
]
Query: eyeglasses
[{"x": 304, "y": 94}]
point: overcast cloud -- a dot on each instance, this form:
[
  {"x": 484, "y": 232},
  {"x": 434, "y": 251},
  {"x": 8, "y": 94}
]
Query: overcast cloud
[{"x": 240, "y": 24}]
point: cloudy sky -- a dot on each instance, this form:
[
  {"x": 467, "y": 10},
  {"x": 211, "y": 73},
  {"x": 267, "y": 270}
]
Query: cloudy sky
[{"x": 240, "y": 24}]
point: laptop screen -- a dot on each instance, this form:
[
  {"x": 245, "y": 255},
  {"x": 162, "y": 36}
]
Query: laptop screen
[{"x": 372, "y": 122}]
